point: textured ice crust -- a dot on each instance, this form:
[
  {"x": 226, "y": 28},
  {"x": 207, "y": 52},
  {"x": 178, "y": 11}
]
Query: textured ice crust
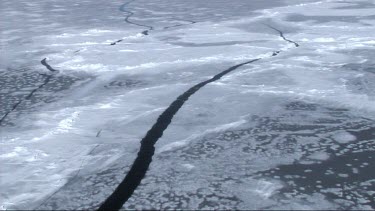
[
  {"x": 293, "y": 131},
  {"x": 241, "y": 168}
]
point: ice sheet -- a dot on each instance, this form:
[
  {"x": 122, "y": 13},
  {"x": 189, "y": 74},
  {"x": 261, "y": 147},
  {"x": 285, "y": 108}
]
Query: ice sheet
[{"x": 294, "y": 130}]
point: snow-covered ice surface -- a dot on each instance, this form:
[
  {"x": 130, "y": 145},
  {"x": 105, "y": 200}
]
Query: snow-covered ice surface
[{"x": 294, "y": 130}]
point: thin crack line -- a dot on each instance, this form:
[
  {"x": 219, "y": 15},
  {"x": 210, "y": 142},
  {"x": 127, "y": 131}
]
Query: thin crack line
[
  {"x": 98, "y": 134},
  {"x": 130, "y": 14},
  {"x": 46, "y": 80},
  {"x": 149, "y": 28},
  {"x": 146, "y": 32},
  {"x": 282, "y": 35},
  {"x": 122, "y": 9},
  {"x": 181, "y": 24},
  {"x": 76, "y": 175},
  {"x": 54, "y": 193},
  {"x": 83, "y": 161}
]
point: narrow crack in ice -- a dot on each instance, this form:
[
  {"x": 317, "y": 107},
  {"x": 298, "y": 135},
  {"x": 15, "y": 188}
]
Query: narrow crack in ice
[{"x": 282, "y": 35}]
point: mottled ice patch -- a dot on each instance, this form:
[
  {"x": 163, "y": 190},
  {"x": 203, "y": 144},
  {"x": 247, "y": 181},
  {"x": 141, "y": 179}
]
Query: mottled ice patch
[
  {"x": 105, "y": 105},
  {"x": 62, "y": 126},
  {"x": 9, "y": 155},
  {"x": 90, "y": 68},
  {"x": 343, "y": 137},
  {"x": 128, "y": 50},
  {"x": 202, "y": 60},
  {"x": 18, "y": 151},
  {"x": 95, "y": 32},
  {"x": 181, "y": 143},
  {"x": 188, "y": 166},
  {"x": 319, "y": 156},
  {"x": 323, "y": 39},
  {"x": 67, "y": 123},
  {"x": 266, "y": 188},
  {"x": 355, "y": 170},
  {"x": 64, "y": 35},
  {"x": 343, "y": 175},
  {"x": 77, "y": 44}
]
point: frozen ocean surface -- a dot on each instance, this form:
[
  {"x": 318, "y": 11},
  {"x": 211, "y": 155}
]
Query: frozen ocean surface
[{"x": 292, "y": 130}]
